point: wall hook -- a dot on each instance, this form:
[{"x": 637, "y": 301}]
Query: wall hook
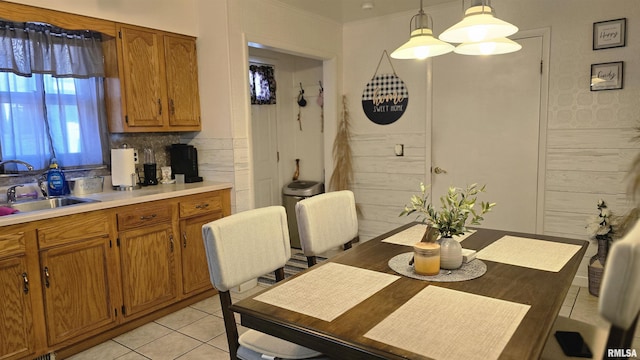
[
  {"x": 320, "y": 99},
  {"x": 301, "y": 100}
]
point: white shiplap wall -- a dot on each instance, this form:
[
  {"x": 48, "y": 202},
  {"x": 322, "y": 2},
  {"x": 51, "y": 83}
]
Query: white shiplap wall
[
  {"x": 590, "y": 144},
  {"x": 589, "y": 134},
  {"x": 383, "y": 181}
]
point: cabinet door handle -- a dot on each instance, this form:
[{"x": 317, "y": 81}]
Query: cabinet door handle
[
  {"x": 46, "y": 276},
  {"x": 184, "y": 240},
  {"x": 171, "y": 242},
  {"x": 25, "y": 281},
  {"x": 159, "y": 107},
  {"x": 202, "y": 206},
  {"x": 172, "y": 107},
  {"x": 147, "y": 217}
]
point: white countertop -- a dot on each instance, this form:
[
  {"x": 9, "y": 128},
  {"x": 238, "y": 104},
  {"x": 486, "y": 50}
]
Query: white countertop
[{"x": 110, "y": 198}]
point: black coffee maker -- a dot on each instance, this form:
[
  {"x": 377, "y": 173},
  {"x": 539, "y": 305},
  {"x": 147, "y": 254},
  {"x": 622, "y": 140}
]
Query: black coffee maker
[{"x": 184, "y": 160}]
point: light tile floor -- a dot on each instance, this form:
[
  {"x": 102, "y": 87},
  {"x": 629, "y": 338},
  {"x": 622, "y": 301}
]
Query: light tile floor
[{"x": 197, "y": 332}]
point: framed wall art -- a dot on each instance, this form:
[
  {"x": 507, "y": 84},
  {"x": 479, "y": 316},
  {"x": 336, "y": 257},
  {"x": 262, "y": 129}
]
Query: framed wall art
[
  {"x": 609, "y": 34},
  {"x": 385, "y": 97},
  {"x": 607, "y": 76}
]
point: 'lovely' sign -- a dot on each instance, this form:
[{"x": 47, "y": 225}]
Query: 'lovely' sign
[{"x": 385, "y": 99}]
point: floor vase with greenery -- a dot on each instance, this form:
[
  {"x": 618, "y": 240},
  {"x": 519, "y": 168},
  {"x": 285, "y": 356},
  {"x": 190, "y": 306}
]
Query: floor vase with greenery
[{"x": 605, "y": 228}]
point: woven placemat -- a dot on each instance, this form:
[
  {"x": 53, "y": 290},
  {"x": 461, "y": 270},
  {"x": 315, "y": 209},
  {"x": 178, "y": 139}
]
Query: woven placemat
[
  {"x": 441, "y": 323},
  {"x": 327, "y": 290},
  {"x": 471, "y": 270},
  {"x": 531, "y": 253}
]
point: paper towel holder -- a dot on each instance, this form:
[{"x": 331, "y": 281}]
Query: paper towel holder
[
  {"x": 124, "y": 185},
  {"x": 129, "y": 187}
]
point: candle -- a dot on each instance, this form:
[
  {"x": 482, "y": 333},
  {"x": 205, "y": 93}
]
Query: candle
[{"x": 426, "y": 258}]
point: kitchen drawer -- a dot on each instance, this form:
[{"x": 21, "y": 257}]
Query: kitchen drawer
[
  {"x": 144, "y": 214},
  {"x": 200, "y": 204},
  {"x": 12, "y": 243},
  {"x": 70, "y": 228}
]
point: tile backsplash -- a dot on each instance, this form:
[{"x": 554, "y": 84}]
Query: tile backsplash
[{"x": 159, "y": 142}]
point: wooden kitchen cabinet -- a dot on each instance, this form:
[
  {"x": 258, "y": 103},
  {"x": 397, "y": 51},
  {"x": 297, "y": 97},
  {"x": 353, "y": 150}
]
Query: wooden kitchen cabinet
[
  {"x": 76, "y": 263},
  {"x": 16, "y": 327},
  {"x": 71, "y": 282},
  {"x": 181, "y": 64},
  {"x": 147, "y": 257},
  {"x": 195, "y": 270},
  {"x": 76, "y": 288},
  {"x": 158, "y": 75},
  {"x": 196, "y": 211}
]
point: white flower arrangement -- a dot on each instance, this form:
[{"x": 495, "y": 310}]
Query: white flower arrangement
[{"x": 602, "y": 226}]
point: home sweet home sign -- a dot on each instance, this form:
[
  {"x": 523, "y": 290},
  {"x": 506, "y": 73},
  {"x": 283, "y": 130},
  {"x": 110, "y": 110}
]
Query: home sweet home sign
[{"x": 385, "y": 97}]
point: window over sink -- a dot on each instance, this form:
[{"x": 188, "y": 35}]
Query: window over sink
[{"x": 51, "y": 96}]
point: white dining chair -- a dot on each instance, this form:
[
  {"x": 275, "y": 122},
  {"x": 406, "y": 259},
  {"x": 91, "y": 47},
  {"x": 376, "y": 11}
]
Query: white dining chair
[
  {"x": 326, "y": 221},
  {"x": 619, "y": 304},
  {"x": 242, "y": 247}
]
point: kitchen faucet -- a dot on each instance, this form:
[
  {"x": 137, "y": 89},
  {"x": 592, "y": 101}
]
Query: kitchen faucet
[
  {"x": 26, "y": 164},
  {"x": 42, "y": 185},
  {"x": 11, "y": 193}
]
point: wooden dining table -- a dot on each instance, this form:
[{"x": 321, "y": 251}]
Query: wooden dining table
[{"x": 350, "y": 334}]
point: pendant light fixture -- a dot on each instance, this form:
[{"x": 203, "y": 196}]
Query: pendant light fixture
[
  {"x": 490, "y": 47},
  {"x": 479, "y": 24},
  {"x": 421, "y": 44}
]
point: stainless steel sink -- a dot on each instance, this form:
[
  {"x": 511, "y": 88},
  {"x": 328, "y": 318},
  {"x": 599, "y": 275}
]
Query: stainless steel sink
[{"x": 51, "y": 203}]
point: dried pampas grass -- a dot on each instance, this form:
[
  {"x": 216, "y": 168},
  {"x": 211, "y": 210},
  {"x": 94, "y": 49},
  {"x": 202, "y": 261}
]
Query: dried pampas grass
[{"x": 342, "y": 175}]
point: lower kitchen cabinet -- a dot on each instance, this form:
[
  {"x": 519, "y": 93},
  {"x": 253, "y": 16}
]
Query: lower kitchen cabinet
[
  {"x": 195, "y": 211},
  {"x": 76, "y": 289},
  {"x": 148, "y": 268},
  {"x": 73, "y": 281},
  {"x": 195, "y": 270},
  {"x": 16, "y": 327},
  {"x": 76, "y": 259}
]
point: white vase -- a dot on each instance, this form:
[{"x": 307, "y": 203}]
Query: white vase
[{"x": 450, "y": 253}]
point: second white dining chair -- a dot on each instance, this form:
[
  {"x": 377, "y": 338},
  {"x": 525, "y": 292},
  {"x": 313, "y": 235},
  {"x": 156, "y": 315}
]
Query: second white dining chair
[
  {"x": 619, "y": 304},
  {"x": 242, "y": 247},
  {"x": 326, "y": 221}
]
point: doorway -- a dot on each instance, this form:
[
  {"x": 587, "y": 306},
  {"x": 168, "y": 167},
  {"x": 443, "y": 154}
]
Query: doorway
[
  {"x": 489, "y": 121},
  {"x": 286, "y": 131}
]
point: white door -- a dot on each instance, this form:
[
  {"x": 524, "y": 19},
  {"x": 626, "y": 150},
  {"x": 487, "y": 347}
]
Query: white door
[
  {"x": 265, "y": 155},
  {"x": 486, "y": 117}
]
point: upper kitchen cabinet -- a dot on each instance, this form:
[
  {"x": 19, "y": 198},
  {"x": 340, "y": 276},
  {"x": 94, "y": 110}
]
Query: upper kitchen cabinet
[
  {"x": 158, "y": 82},
  {"x": 181, "y": 63}
]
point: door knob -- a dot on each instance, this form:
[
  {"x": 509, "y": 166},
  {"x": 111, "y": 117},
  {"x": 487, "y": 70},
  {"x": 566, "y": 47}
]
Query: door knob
[{"x": 439, "y": 170}]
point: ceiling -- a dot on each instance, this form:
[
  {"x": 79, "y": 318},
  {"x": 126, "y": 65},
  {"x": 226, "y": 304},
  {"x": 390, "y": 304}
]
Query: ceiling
[{"x": 350, "y": 10}]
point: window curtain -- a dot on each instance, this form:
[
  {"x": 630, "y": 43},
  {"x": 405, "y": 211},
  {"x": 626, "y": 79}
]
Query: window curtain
[
  {"x": 262, "y": 84},
  {"x": 28, "y": 48},
  {"x": 51, "y": 95},
  {"x": 77, "y": 119}
]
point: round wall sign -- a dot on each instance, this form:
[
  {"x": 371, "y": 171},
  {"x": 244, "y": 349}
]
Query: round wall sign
[{"x": 385, "y": 99}]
